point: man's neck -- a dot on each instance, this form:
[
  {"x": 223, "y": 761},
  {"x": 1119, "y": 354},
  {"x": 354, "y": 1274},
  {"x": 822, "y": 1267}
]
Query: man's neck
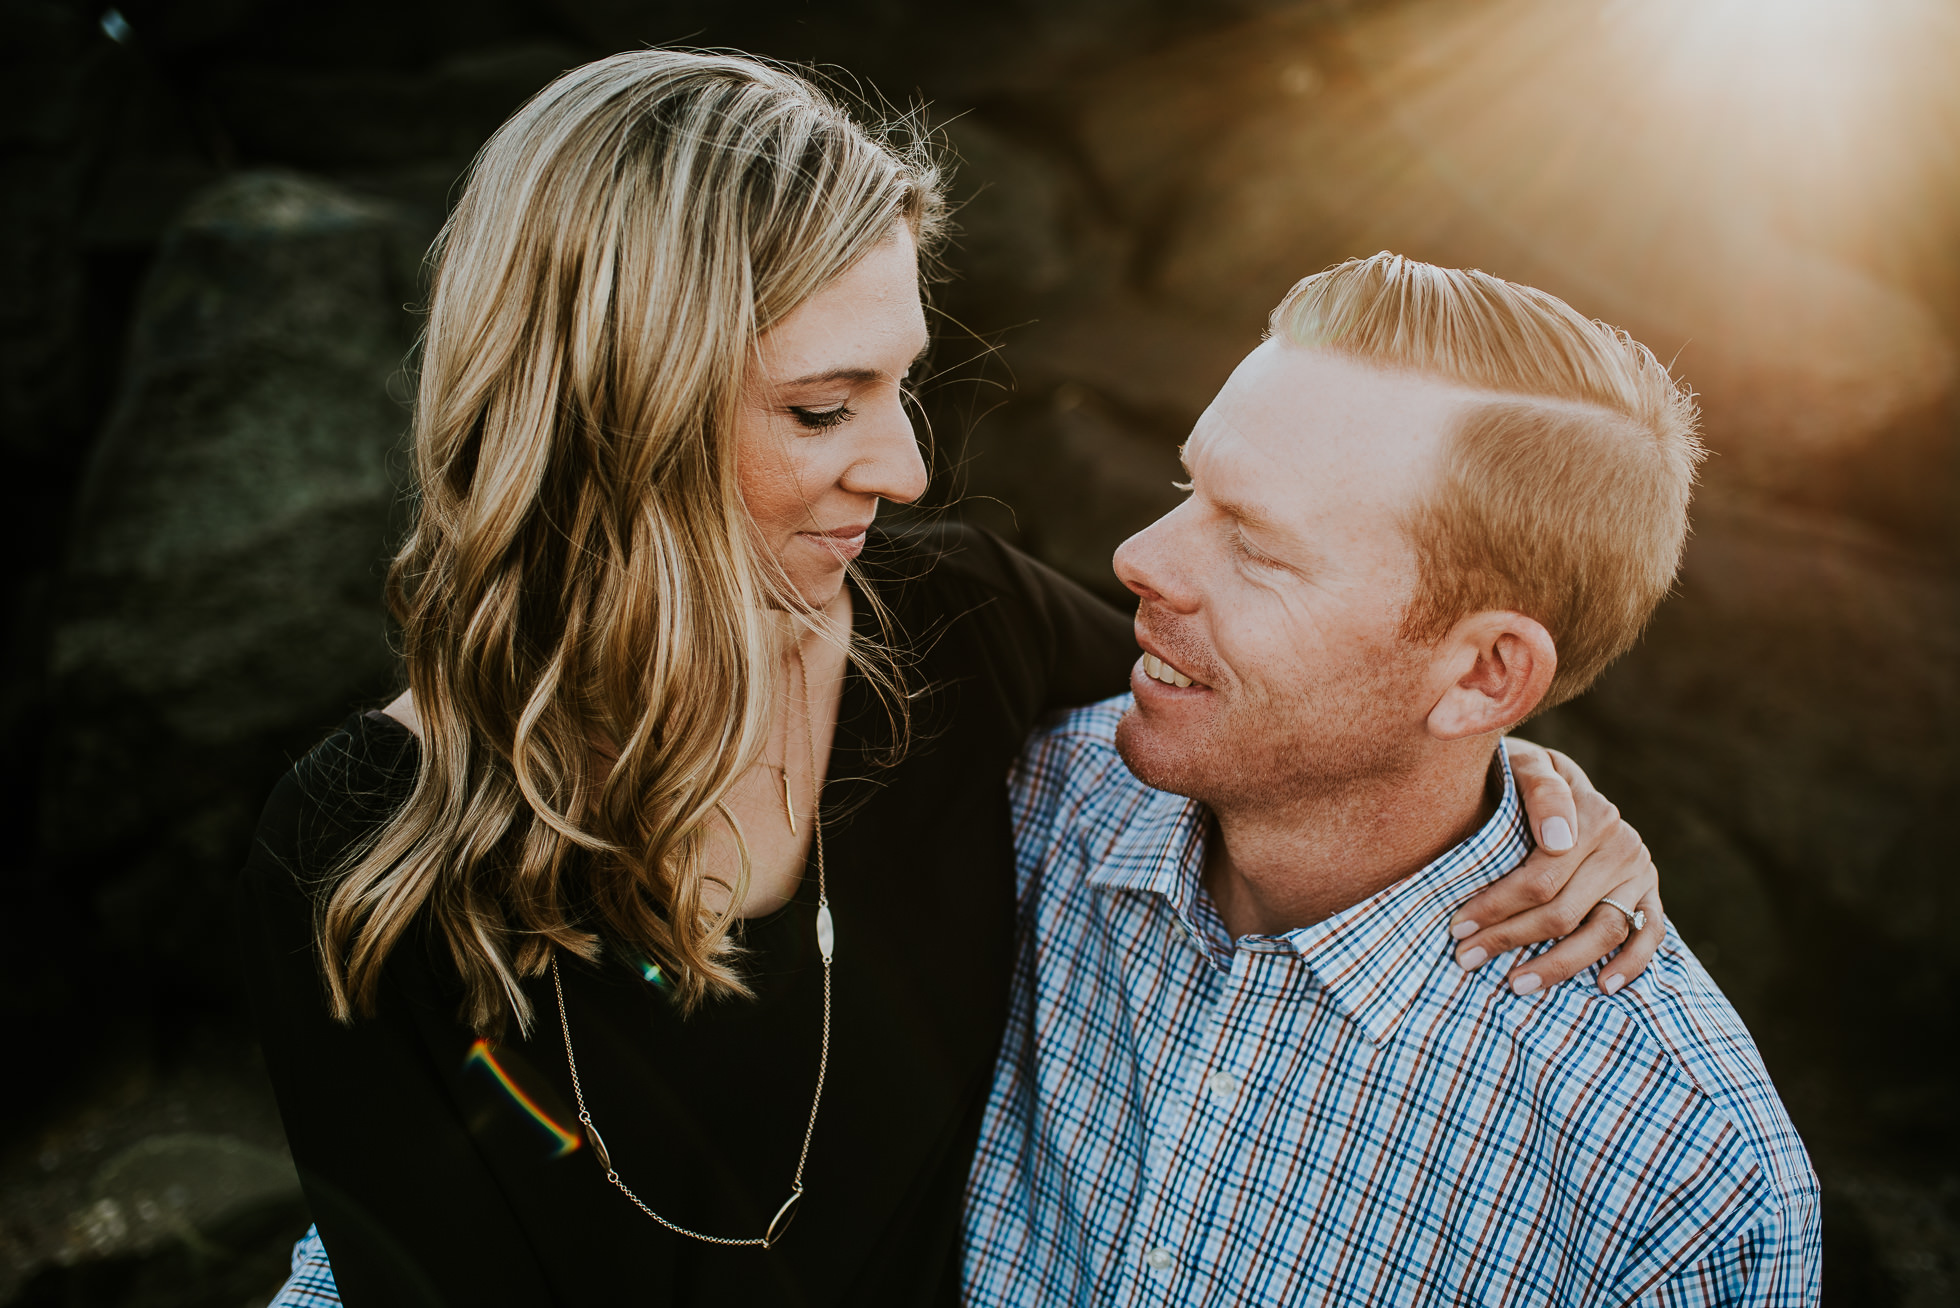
[{"x": 1271, "y": 870}]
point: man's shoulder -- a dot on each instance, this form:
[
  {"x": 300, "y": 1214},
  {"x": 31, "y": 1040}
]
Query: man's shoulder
[
  {"x": 1071, "y": 753},
  {"x": 1671, "y": 1035},
  {"x": 1070, "y": 783},
  {"x": 1086, "y": 731}
]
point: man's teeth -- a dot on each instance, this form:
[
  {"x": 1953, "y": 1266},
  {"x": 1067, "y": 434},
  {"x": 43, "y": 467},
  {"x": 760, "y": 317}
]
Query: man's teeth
[{"x": 1158, "y": 670}]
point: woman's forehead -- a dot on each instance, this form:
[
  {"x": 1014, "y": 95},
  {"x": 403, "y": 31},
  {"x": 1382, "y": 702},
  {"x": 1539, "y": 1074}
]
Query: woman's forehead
[{"x": 868, "y": 323}]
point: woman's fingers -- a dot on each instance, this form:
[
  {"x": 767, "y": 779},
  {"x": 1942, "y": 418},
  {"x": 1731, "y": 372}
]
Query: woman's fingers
[
  {"x": 1620, "y": 868},
  {"x": 1547, "y": 795},
  {"x": 1605, "y": 930},
  {"x": 1575, "y": 776},
  {"x": 1544, "y": 878},
  {"x": 1639, "y": 951}
]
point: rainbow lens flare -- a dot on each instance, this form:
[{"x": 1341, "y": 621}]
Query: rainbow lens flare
[
  {"x": 650, "y": 972},
  {"x": 481, "y": 1055}
]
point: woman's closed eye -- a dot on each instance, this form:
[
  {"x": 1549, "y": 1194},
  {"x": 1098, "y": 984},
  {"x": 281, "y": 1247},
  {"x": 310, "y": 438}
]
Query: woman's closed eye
[{"x": 822, "y": 419}]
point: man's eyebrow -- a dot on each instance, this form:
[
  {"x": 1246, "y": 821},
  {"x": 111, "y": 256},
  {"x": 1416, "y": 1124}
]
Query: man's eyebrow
[
  {"x": 1252, "y": 517},
  {"x": 857, "y": 376}
]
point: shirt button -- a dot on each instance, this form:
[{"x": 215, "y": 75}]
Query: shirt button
[
  {"x": 1222, "y": 1085},
  {"x": 1159, "y": 1259}
]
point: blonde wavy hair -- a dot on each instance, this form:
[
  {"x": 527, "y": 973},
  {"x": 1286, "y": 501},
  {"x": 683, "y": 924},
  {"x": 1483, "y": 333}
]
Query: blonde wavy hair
[{"x": 582, "y": 608}]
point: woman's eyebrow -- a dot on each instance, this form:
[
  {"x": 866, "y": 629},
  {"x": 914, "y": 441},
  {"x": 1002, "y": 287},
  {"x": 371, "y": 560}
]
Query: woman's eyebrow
[
  {"x": 835, "y": 375},
  {"x": 854, "y": 375}
]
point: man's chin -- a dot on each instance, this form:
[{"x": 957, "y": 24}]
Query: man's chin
[{"x": 1158, "y": 762}]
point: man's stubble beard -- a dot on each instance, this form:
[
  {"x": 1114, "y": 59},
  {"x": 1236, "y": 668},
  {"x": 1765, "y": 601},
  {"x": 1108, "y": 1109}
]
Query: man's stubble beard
[{"x": 1268, "y": 751}]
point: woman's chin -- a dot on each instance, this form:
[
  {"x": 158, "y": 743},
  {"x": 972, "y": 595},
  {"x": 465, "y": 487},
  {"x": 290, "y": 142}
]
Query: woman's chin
[{"x": 818, "y": 589}]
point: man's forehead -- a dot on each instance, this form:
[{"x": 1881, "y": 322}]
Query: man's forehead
[{"x": 1290, "y": 412}]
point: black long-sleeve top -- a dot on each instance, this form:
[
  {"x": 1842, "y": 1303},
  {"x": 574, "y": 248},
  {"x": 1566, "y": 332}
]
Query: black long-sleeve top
[{"x": 445, "y": 1171}]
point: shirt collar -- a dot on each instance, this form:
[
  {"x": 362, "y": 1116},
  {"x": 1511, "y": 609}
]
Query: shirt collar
[
  {"x": 1373, "y": 958},
  {"x": 1157, "y": 847}
]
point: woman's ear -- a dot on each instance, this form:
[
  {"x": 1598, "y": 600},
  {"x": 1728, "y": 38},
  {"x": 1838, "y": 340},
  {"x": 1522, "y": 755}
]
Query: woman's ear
[{"x": 1498, "y": 666}]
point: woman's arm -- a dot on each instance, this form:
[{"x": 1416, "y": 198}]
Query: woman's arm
[{"x": 402, "y": 1197}]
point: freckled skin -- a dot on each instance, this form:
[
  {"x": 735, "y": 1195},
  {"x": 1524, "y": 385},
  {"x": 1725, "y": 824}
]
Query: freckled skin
[
  {"x": 1290, "y": 620},
  {"x": 822, "y": 437},
  {"x": 1335, "y": 757},
  {"x": 797, "y": 478}
]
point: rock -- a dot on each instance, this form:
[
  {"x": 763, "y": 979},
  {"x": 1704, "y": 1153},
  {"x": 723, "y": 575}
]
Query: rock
[
  {"x": 1068, "y": 475},
  {"x": 1026, "y": 226},
  {"x": 960, "y": 51},
  {"x": 220, "y": 606},
  {"x": 178, "y": 1221},
  {"x": 371, "y": 117},
  {"x": 1166, "y": 364},
  {"x": 1472, "y": 136},
  {"x": 179, "y": 1188},
  {"x": 1802, "y": 693}
]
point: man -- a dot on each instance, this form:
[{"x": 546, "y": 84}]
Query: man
[{"x": 1241, "y": 1066}]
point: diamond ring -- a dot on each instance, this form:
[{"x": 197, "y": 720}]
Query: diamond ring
[{"x": 1636, "y": 917}]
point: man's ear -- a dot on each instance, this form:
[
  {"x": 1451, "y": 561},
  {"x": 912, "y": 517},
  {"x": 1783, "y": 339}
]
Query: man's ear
[{"x": 1495, "y": 666}]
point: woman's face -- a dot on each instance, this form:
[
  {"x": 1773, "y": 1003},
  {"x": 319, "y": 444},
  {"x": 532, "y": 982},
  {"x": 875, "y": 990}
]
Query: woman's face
[{"x": 823, "y": 433}]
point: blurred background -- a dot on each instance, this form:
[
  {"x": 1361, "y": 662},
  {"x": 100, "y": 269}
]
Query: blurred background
[{"x": 214, "y": 215}]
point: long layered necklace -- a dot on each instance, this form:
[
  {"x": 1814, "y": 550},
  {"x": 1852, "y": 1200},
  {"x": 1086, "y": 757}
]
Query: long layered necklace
[{"x": 826, "y": 941}]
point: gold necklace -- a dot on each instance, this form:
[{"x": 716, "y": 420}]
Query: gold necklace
[
  {"x": 789, "y": 805},
  {"x": 826, "y": 941}
]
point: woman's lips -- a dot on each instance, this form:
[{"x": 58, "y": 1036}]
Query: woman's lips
[{"x": 845, "y": 543}]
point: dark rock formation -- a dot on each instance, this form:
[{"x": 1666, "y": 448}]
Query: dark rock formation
[{"x": 218, "y": 607}]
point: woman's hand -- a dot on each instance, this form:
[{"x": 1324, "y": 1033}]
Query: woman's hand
[{"x": 1585, "y": 856}]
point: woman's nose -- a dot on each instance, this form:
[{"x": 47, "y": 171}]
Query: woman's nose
[{"x": 891, "y": 467}]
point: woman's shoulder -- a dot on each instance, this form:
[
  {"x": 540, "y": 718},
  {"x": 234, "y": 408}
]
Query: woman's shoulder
[
  {"x": 970, "y": 604},
  {"x": 933, "y": 552},
  {"x": 952, "y": 567},
  {"x": 336, "y": 796}
]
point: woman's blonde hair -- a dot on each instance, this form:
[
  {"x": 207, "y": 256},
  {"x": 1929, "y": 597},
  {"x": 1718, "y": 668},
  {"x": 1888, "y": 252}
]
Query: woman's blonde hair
[{"x": 582, "y": 611}]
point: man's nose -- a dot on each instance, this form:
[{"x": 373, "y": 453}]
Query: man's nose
[{"x": 1148, "y": 564}]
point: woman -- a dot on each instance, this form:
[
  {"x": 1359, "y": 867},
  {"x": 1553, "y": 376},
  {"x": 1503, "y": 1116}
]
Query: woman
[{"x": 678, "y": 887}]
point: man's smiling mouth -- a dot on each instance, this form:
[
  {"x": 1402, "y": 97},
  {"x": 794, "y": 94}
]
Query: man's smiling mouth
[{"x": 1158, "y": 670}]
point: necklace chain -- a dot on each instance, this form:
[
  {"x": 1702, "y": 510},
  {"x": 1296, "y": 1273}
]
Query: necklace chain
[{"x": 825, "y": 941}]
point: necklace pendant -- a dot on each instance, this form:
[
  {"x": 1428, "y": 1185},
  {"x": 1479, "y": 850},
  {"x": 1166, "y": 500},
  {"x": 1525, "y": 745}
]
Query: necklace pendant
[
  {"x": 789, "y": 808},
  {"x": 826, "y": 932},
  {"x": 598, "y": 1144},
  {"x": 784, "y": 1216}
]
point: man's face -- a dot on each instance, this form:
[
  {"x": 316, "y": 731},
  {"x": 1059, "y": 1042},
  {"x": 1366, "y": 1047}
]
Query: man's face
[{"x": 1278, "y": 586}]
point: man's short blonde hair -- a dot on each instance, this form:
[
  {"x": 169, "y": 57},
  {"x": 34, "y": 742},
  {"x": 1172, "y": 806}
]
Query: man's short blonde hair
[{"x": 1564, "y": 495}]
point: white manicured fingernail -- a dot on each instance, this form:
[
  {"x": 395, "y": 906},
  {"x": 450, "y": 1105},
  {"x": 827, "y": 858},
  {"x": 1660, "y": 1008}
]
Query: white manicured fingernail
[
  {"x": 1557, "y": 835},
  {"x": 1463, "y": 930},
  {"x": 1525, "y": 984},
  {"x": 1471, "y": 958},
  {"x": 1611, "y": 985}
]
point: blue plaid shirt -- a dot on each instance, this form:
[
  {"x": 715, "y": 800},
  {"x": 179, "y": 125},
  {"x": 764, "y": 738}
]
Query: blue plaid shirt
[
  {"x": 311, "y": 1284},
  {"x": 1339, "y": 1115}
]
